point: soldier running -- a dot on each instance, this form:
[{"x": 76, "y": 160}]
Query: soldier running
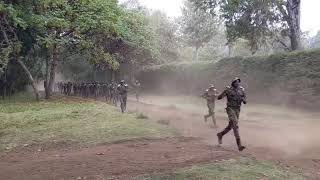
[
  {"x": 137, "y": 89},
  {"x": 235, "y": 97},
  {"x": 113, "y": 93},
  {"x": 210, "y": 95},
  {"x": 123, "y": 92}
]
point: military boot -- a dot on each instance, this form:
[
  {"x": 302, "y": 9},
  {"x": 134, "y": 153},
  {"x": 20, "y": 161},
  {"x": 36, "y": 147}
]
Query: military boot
[
  {"x": 205, "y": 118},
  {"x": 220, "y": 135},
  {"x": 240, "y": 147}
]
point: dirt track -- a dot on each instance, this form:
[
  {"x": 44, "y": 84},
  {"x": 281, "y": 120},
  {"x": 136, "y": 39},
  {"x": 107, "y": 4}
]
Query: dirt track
[
  {"x": 289, "y": 136},
  {"x": 268, "y": 134},
  {"x": 121, "y": 161}
]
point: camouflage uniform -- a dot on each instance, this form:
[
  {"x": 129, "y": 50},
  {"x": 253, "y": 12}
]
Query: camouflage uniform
[
  {"x": 235, "y": 97},
  {"x": 113, "y": 93},
  {"x": 75, "y": 89},
  {"x": 87, "y": 90},
  {"x": 105, "y": 91},
  {"x": 210, "y": 95},
  {"x": 123, "y": 93},
  {"x": 65, "y": 88},
  {"x": 96, "y": 88},
  {"x": 69, "y": 88},
  {"x": 137, "y": 89}
]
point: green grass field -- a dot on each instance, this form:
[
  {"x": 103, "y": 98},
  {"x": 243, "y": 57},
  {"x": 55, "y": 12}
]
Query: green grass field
[
  {"x": 235, "y": 169},
  {"x": 24, "y": 121}
]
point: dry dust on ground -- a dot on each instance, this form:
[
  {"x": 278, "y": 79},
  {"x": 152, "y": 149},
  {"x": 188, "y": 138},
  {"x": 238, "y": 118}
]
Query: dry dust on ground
[
  {"x": 281, "y": 134},
  {"x": 116, "y": 161}
]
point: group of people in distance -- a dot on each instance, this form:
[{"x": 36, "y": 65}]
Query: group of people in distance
[
  {"x": 112, "y": 92},
  {"x": 236, "y": 96}
]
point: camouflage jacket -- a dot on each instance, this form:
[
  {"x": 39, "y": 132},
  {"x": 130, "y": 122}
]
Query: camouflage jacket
[
  {"x": 122, "y": 89},
  {"x": 137, "y": 85},
  {"x": 210, "y": 95},
  {"x": 235, "y": 96}
]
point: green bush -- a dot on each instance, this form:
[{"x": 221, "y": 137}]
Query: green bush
[{"x": 292, "y": 78}]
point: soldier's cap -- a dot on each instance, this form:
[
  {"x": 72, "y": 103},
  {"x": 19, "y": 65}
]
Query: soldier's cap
[
  {"x": 122, "y": 81},
  {"x": 211, "y": 86},
  {"x": 236, "y": 79}
]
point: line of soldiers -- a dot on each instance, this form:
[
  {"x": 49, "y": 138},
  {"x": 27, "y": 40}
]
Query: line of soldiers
[
  {"x": 87, "y": 90},
  {"x": 112, "y": 92}
]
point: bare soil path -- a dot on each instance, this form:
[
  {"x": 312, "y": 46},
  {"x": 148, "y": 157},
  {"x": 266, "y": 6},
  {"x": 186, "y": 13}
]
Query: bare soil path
[
  {"x": 280, "y": 134},
  {"x": 119, "y": 160}
]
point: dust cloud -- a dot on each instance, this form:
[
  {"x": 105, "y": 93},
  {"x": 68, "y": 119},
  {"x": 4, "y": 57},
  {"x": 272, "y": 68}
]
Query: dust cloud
[{"x": 266, "y": 129}]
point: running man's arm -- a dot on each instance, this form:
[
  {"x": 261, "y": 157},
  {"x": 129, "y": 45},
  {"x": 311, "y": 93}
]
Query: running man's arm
[{"x": 222, "y": 95}]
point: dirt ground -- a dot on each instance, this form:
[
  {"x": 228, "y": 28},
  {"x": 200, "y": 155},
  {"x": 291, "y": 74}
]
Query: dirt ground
[
  {"x": 119, "y": 160},
  {"x": 269, "y": 133},
  {"x": 287, "y": 136}
]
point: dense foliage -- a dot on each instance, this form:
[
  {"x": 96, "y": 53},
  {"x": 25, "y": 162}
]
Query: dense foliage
[
  {"x": 258, "y": 20},
  {"x": 50, "y": 31},
  {"x": 291, "y": 78},
  {"x": 198, "y": 26}
]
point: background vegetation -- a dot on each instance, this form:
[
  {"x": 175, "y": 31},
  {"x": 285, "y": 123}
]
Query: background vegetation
[{"x": 282, "y": 78}]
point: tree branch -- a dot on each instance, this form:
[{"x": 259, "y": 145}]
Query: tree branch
[
  {"x": 283, "y": 11},
  {"x": 285, "y": 46}
]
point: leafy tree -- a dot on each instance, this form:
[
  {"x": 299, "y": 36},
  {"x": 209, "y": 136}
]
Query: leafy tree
[
  {"x": 216, "y": 48},
  {"x": 165, "y": 33},
  {"x": 78, "y": 25},
  {"x": 258, "y": 20},
  {"x": 11, "y": 50},
  {"x": 198, "y": 26},
  {"x": 99, "y": 30}
]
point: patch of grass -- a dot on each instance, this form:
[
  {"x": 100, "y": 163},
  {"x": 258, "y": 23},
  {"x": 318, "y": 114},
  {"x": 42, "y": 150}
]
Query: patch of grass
[
  {"x": 21, "y": 97},
  {"x": 238, "y": 169},
  {"x": 71, "y": 119}
]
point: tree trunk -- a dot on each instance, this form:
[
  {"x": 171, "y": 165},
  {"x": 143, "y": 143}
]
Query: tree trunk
[
  {"x": 4, "y": 91},
  {"x": 196, "y": 54},
  {"x": 53, "y": 69},
  {"x": 46, "y": 87},
  {"x": 29, "y": 75},
  {"x": 5, "y": 85},
  {"x": 230, "y": 49},
  {"x": 293, "y": 9}
]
